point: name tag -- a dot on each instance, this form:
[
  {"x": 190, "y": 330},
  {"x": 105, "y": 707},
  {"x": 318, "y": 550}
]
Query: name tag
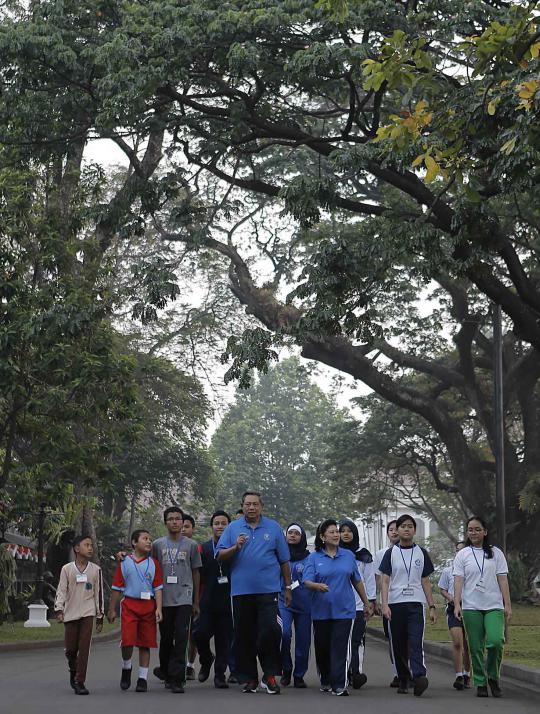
[
  {"x": 295, "y": 584},
  {"x": 407, "y": 592},
  {"x": 145, "y": 595},
  {"x": 480, "y": 586},
  {"x": 223, "y": 580},
  {"x": 172, "y": 579},
  {"x": 82, "y": 578}
]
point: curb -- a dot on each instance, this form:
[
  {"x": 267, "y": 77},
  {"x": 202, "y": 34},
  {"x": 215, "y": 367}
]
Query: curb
[
  {"x": 45, "y": 644},
  {"x": 520, "y": 673}
]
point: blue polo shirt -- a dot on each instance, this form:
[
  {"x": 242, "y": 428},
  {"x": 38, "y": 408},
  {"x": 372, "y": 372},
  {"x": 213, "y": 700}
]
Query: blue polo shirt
[
  {"x": 338, "y": 573},
  {"x": 255, "y": 568}
]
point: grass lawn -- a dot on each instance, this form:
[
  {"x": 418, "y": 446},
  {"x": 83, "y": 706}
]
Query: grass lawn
[
  {"x": 523, "y": 642},
  {"x": 16, "y": 632}
]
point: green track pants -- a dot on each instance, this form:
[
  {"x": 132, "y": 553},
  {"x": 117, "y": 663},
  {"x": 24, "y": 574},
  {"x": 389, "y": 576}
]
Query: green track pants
[{"x": 485, "y": 631}]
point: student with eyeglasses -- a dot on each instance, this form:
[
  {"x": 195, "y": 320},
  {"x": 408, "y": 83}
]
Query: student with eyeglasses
[{"x": 482, "y": 601}]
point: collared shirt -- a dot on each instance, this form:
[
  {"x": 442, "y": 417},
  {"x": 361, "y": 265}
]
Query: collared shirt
[
  {"x": 406, "y": 566},
  {"x": 474, "y": 568},
  {"x": 256, "y": 567},
  {"x": 338, "y": 572},
  {"x": 446, "y": 581},
  {"x": 367, "y": 573},
  {"x": 177, "y": 559}
]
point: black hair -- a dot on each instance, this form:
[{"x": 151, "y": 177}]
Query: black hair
[
  {"x": 189, "y": 518},
  {"x": 219, "y": 513},
  {"x": 172, "y": 509},
  {"x": 461, "y": 542},
  {"x": 389, "y": 524},
  {"x": 79, "y": 539},
  {"x": 488, "y": 550},
  {"x": 251, "y": 493},
  {"x": 137, "y": 534},
  {"x": 239, "y": 512},
  {"x": 405, "y": 517},
  {"x": 321, "y": 530}
]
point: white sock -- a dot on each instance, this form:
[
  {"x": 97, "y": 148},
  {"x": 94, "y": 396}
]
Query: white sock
[
  {"x": 466, "y": 674},
  {"x": 459, "y": 674},
  {"x": 191, "y": 664},
  {"x": 126, "y": 664},
  {"x": 143, "y": 672}
]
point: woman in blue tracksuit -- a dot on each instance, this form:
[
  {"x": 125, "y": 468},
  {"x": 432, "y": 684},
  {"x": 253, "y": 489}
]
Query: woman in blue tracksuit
[
  {"x": 299, "y": 612},
  {"x": 350, "y": 540}
]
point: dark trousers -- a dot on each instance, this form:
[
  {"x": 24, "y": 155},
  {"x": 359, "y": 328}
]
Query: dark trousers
[
  {"x": 332, "y": 639},
  {"x": 218, "y": 625},
  {"x": 257, "y": 633},
  {"x": 174, "y": 631},
  {"x": 358, "y": 643},
  {"x": 407, "y": 638},
  {"x": 77, "y": 639},
  {"x": 302, "y": 640}
]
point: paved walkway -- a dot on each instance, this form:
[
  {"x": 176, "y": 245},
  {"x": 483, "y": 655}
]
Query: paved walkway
[{"x": 36, "y": 682}]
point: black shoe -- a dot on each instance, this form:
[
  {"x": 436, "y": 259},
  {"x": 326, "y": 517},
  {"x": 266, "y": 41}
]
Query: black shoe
[
  {"x": 80, "y": 688},
  {"x": 495, "y": 688},
  {"x": 168, "y": 684},
  {"x": 142, "y": 685},
  {"x": 177, "y": 688},
  {"x": 233, "y": 679},
  {"x": 325, "y": 688},
  {"x": 459, "y": 684},
  {"x": 358, "y": 680},
  {"x": 72, "y": 678},
  {"x": 158, "y": 672},
  {"x": 466, "y": 681},
  {"x": 482, "y": 691},
  {"x": 204, "y": 671},
  {"x": 285, "y": 679},
  {"x": 125, "y": 681},
  {"x": 190, "y": 673},
  {"x": 220, "y": 683},
  {"x": 402, "y": 689},
  {"x": 299, "y": 683},
  {"x": 420, "y": 686},
  {"x": 250, "y": 687},
  {"x": 394, "y": 683},
  {"x": 340, "y": 692},
  {"x": 270, "y": 684}
]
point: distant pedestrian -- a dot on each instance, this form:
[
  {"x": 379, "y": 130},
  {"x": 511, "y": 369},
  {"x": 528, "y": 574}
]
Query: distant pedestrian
[
  {"x": 460, "y": 651},
  {"x": 406, "y": 588},
  {"x": 79, "y": 601},
  {"x": 298, "y": 613},
  {"x": 482, "y": 600},
  {"x": 138, "y": 578},
  {"x": 393, "y": 538},
  {"x": 259, "y": 557},
  {"x": 239, "y": 514},
  {"x": 350, "y": 540},
  {"x": 329, "y": 573}
]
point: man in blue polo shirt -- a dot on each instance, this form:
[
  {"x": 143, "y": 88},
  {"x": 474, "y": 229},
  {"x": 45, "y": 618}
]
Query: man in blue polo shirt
[{"x": 259, "y": 557}]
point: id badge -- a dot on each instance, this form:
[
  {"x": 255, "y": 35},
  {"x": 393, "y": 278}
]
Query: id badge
[
  {"x": 172, "y": 579},
  {"x": 145, "y": 595},
  {"x": 480, "y": 586},
  {"x": 295, "y": 584},
  {"x": 82, "y": 578},
  {"x": 223, "y": 580},
  {"x": 407, "y": 592}
]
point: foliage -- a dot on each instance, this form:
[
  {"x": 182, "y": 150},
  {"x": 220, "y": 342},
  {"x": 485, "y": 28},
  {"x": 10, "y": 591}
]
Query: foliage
[{"x": 7, "y": 580}]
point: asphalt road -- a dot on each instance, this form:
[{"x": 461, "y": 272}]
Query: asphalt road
[{"x": 37, "y": 682}]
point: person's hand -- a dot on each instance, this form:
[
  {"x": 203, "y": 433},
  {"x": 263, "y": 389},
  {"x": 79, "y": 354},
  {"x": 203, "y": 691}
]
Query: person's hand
[
  {"x": 387, "y": 612},
  {"x": 377, "y": 609},
  {"x": 99, "y": 625},
  {"x": 508, "y": 612},
  {"x": 322, "y": 587},
  {"x": 287, "y": 597},
  {"x": 60, "y": 616},
  {"x": 111, "y": 616},
  {"x": 196, "y": 611},
  {"x": 242, "y": 538},
  {"x": 432, "y": 615},
  {"x": 159, "y": 615},
  {"x": 457, "y": 611},
  {"x": 120, "y": 556},
  {"x": 368, "y": 611}
]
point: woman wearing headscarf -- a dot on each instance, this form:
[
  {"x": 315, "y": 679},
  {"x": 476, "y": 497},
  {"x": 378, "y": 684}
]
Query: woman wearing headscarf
[
  {"x": 350, "y": 540},
  {"x": 298, "y": 613}
]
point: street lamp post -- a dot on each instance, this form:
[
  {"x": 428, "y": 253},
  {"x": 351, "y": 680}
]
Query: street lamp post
[{"x": 499, "y": 426}]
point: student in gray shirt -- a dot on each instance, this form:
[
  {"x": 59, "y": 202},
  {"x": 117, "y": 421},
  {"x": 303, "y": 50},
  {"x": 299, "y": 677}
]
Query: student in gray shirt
[{"x": 180, "y": 561}]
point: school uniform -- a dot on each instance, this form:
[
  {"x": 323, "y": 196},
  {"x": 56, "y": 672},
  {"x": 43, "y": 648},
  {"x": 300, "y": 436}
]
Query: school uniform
[
  {"x": 333, "y": 613},
  {"x": 138, "y": 580},
  {"x": 446, "y": 582},
  {"x": 79, "y": 597},
  {"x": 406, "y": 566},
  {"x": 255, "y": 584},
  {"x": 379, "y": 555},
  {"x": 483, "y": 609}
]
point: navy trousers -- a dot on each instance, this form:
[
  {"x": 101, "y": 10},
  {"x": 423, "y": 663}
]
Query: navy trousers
[
  {"x": 407, "y": 638},
  {"x": 257, "y": 634},
  {"x": 218, "y": 625},
  {"x": 302, "y": 640},
  {"x": 332, "y": 639},
  {"x": 358, "y": 643}
]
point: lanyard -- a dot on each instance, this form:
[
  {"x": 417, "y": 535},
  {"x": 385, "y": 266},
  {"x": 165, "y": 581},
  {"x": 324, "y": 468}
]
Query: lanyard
[
  {"x": 481, "y": 569},
  {"x": 142, "y": 578},
  {"x": 216, "y": 551},
  {"x": 407, "y": 570},
  {"x": 173, "y": 561}
]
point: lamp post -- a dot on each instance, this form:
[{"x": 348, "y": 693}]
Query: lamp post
[{"x": 498, "y": 413}]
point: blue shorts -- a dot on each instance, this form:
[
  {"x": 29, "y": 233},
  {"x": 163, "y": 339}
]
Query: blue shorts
[{"x": 451, "y": 619}]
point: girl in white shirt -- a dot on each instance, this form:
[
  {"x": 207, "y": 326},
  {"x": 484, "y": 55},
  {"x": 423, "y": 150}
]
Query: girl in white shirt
[{"x": 482, "y": 600}]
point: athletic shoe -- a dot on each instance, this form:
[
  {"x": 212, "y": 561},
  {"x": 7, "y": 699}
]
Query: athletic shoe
[
  {"x": 158, "y": 672},
  {"x": 204, "y": 671},
  {"x": 142, "y": 685},
  {"x": 168, "y": 684},
  {"x": 190, "y": 673},
  {"x": 495, "y": 688},
  {"x": 220, "y": 683},
  {"x": 250, "y": 687},
  {"x": 459, "y": 684},
  {"x": 80, "y": 688},
  {"x": 340, "y": 692},
  {"x": 466, "y": 681},
  {"x": 402, "y": 689},
  {"x": 285, "y": 679},
  {"x": 125, "y": 681},
  {"x": 394, "y": 683},
  {"x": 177, "y": 688},
  {"x": 325, "y": 688},
  {"x": 420, "y": 686},
  {"x": 233, "y": 679},
  {"x": 482, "y": 691},
  {"x": 270, "y": 684},
  {"x": 299, "y": 683},
  {"x": 358, "y": 680},
  {"x": 72, "y": 678}
]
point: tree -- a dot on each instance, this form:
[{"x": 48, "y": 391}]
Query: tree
[{"x": 273, "y": 439}]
